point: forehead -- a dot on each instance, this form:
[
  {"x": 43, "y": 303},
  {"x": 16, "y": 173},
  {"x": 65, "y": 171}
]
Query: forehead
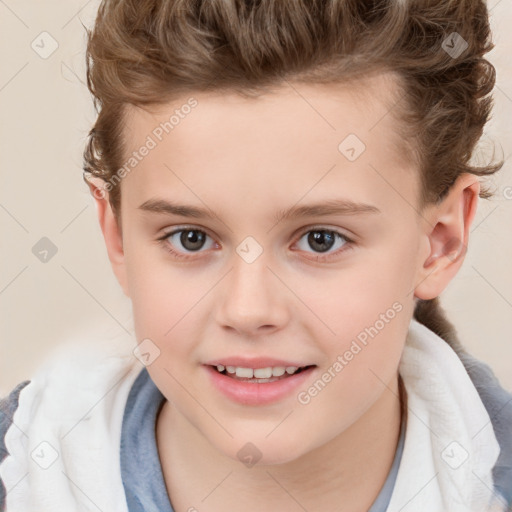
[{"x": 299, "y": 139}]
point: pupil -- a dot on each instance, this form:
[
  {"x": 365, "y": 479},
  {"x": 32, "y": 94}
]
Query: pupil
[
  {"x": 323, "y": 239},
  {"x": 192, "y": 239}
]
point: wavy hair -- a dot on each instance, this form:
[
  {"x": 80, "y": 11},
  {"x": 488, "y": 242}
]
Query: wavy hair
[{"x": 148, "y": 52}]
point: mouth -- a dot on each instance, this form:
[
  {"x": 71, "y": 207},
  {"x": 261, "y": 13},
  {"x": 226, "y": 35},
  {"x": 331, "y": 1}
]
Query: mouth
[
  {"x": 260, "y": 375},
  {"x": 260, "y": 386}
]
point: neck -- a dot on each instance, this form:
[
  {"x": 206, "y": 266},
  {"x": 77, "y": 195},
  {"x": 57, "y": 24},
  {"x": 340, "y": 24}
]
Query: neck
[{"x": 345, "y": 473}]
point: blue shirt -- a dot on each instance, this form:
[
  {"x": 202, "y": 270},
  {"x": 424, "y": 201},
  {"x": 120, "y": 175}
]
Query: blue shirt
[
  {"x": 141, "y": 471},
  {"x": 140, "y": 464}
]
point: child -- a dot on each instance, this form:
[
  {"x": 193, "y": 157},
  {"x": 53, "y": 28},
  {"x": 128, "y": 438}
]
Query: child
[{"x": 284, "y": 189}]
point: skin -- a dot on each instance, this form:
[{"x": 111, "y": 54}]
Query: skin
[{"x": 247, "y": 159}]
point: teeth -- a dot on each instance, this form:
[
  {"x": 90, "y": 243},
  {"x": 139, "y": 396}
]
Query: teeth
[
  {"x": 259, "y": 373},
  {"x": 244, "y": 372},
  {"x": 263, "y": 373},
  {"x": 277, "y": 371}
]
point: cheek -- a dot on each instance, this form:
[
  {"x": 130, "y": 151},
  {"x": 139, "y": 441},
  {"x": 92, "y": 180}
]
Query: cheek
[
  {"x": 356, "y": 375},
  {"x": 165, "y": 309},
  {"x": 365, "y": 311},
  {"x": 171, "y": 305},
  {"x": 370, "y": 311},
  {"x": 360, "y": 368},
  {"x": 159, "y": 292},
  {"x": 167, "y": 304},
  {"x": 347, "y": 300}
]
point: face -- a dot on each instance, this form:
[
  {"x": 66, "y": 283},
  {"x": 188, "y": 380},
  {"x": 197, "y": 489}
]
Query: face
[{"x": 269, "y": 267}]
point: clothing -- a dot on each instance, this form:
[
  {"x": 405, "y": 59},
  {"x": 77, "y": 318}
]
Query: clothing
[
  {"x": 140, "y": 467},
  {"x": 88, "y": 404},
  {"x": 141, "y": 472}
]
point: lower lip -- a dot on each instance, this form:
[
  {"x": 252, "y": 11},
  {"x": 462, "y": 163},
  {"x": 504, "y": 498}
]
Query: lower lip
[{"x": 254, "y": 393}]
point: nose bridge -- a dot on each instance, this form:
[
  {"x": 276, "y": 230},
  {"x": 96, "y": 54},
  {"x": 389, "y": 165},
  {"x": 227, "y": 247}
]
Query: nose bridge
[{"x": 252, "y": 297}]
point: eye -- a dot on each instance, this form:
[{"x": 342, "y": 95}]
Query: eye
[
  {"x": 321, "y": 240},
  {"x": 191, "y": 240}
]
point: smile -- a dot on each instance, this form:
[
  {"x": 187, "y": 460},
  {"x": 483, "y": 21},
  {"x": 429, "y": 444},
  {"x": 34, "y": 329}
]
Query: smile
[
  {"x": 260, "y": 386},
  {"x": 261, "y": 375}
]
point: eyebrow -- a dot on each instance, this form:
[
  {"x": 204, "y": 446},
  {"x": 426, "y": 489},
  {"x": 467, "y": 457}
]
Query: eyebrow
[{"x": 327, "y": 207}]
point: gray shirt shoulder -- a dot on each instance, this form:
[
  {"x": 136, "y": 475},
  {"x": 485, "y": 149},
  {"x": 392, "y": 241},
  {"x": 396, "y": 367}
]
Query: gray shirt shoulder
[{"x": 8, "y": 406}]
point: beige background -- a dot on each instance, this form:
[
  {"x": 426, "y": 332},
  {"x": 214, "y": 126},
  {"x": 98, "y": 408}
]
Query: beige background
[{"x": 46, "y": 113}]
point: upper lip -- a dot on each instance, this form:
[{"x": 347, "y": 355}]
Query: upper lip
[{"x": 254, "y": 362}]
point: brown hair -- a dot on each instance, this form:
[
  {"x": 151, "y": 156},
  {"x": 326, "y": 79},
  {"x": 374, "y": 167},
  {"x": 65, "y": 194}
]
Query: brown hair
[{"x": 147, "y": 52}]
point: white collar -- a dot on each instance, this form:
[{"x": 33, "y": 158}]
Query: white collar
[
  {"x": 450, "y": 446},
  {"x": 85, "y": 387}
]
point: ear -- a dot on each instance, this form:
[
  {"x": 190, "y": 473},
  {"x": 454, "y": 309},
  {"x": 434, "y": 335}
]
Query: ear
[
  {"x": 447, "y": 236},
  {"x": 112, "y": 232}
]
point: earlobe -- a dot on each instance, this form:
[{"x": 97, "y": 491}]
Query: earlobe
[
  {"x": 112, "y": 232},
  {"x": 447, "y": 237}
]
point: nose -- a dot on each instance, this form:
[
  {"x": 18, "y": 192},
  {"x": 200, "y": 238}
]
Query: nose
[{"x": 253, "y": 299}]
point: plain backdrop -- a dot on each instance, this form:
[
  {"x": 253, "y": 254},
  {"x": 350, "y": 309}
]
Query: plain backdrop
[{"x": 46, "y": 112}]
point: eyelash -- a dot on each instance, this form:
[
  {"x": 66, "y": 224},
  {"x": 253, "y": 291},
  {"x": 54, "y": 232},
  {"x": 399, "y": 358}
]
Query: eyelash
[{"x": 178, "y": 255}]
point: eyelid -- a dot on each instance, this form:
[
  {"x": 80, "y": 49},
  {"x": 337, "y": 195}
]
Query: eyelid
[
  {"x": 301, "y": 232},
  {"x": 350, "y": 241},
  {"x": 179, "y": 255},
  {"x": 177, "y": 229},
  {"x": 183, "y": 227},
  {"x": 326, "y": 227}
]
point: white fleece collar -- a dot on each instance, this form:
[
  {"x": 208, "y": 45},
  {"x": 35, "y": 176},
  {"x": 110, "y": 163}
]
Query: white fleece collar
[
  {"x": 65, "y": 438},
  {"x": 450, "y": 447},
  {"x": 73, "y": 410}
]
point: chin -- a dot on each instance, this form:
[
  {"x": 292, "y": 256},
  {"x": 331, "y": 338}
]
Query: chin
[{"x": 263, "y": 452}]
